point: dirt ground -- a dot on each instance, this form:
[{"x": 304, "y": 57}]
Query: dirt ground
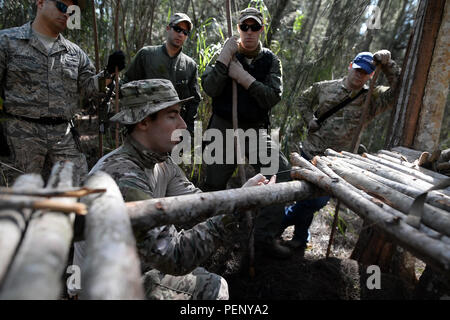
[{"x": 311, "y": 276}]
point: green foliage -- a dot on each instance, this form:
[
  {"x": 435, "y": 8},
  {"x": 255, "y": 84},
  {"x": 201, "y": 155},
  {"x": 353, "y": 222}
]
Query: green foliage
[{"x": 298, "y": 23}]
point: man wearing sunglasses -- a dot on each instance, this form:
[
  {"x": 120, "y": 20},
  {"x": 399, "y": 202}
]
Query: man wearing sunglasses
[
  {"x": 258, "y": 73},
  {"x": 167, "y": 61},
  {"x": 42, "y": 76}
]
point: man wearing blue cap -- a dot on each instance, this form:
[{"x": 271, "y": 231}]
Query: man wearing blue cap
[{"x": 331, "y": 110}]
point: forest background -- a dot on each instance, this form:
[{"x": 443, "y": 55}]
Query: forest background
[{"x": 315, "y": 40}]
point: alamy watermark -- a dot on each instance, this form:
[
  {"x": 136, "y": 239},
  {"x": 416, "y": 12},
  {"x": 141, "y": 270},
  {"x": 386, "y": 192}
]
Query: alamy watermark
[
  {"x": 374, "y": 18},
  {"x": 259, "y": 147},
  {"x": 374, "y": 280},
  {"x": 74, "y": 21}
]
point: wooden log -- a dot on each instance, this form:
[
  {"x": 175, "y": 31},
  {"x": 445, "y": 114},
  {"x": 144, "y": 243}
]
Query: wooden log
[
  {"x": 445, "y": 155},
  {"x": 37, "y": 269},
  {"x": 413, "y": 166},
  {"x": 429, "y": 250},
  {"x": 13, "y": 223},
  {"x": 436, "y": 199},
  {"x": 325, "y": 165},
  {"x": 386, "y": 164},
  {"x": 411, "y": 154},
  {"x": 421, "y": 173},
  {"x": 393, "y": 154},
  {"x": 433, "y": 217},
  {"x": 37, "y": 192},
  {"x": 111, "y": 269},
  {"x": 182, "y": 209},
  {"x": 390, "y": 174}
]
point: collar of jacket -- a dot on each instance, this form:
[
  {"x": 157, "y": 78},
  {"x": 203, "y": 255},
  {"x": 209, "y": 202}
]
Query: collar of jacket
[
  {"x": 164, "y": 49},
  {"x": 26, "y": 33},
  {"x": 343, "y": 80},
  {"x": 147, "y": 157},
  {"x": 251, "y": 54}
]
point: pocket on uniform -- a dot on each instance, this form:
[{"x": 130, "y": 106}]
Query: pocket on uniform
[{"x": 70, "y": 77}]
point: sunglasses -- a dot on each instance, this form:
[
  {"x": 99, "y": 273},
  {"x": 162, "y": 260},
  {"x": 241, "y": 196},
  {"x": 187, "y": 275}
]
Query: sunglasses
[
  {"x": 254, "y": 27},
  {"x": 61, "y": 6},
  {"x": 177, "y": 29}
]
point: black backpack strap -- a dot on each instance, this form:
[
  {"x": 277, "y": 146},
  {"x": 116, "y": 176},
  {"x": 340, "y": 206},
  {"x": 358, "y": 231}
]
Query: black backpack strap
[{"x": 338, "y": 107}]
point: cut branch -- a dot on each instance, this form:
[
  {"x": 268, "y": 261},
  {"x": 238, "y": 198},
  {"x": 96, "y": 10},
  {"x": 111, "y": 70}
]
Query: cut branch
[
  {"x": 42, "y": 256},
  {"x": 429, "y": 250},
  {"x": 108, "y": 230},
  {"x": 182, "y": 209}
]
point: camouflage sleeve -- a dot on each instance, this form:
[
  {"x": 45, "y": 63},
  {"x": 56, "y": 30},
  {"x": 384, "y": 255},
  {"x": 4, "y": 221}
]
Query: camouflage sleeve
[
  {"x": 86, "y": 76},
  {"x": 383, "y": 96},
  {"x": 214, "y": 79},
  {"x": 179, "y": 252},
  {"x": 135, "y": 70},
  {"x": 179, "y": 184},
  {"x": 268, "y": 93},
  {"x": 307, "y": 103}
]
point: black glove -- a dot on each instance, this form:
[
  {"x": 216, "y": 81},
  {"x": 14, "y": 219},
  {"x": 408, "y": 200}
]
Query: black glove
[{"x": 117, "y": 59}]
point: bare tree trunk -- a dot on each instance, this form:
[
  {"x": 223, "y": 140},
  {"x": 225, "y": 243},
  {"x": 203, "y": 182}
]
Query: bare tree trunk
[
  {"x": 276, "y": 19},
  {"x": 415, "y": 71}
]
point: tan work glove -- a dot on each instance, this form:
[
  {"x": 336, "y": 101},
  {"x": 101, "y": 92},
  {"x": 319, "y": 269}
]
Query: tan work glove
[
  {"x": 382, "y": 56},
  {"x": 229, "y": 49},
  {"x": 237, "y": 72}
]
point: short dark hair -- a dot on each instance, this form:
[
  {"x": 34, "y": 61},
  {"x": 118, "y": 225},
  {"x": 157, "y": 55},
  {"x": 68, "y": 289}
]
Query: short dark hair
[{"x": 128, "y": 128}]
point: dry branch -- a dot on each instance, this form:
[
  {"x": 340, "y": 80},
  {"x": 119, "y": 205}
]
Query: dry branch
[
  {"x": 182, "y": 209},
  {"x": 325, "y": 165},
  {"x": 434, "y": 198},
  {"x": 429, "y": 250},
  {"x": 111, "y": 269},
  {"x": 42, "y": 257},
  {"x": 13, "y": 223},
  {"x": 68, "y": 193},
  {"x": 435, "y": 218}
]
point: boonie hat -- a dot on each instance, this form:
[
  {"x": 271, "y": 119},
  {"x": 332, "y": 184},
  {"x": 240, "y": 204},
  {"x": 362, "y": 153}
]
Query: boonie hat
[
  {"x": 180, "y": 17},
  {"x": 364, "y": 60},
  {"x": 142, "y": 98},
  {"x": 251, "y": 13}
]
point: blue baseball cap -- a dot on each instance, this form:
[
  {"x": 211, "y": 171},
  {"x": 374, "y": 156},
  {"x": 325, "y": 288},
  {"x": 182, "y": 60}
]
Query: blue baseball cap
[{"x": 364, "y": 60}]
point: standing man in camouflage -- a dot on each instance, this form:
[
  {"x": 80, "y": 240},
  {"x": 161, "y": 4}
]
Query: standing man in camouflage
[
  {"x": 258, "y": 74},
  {"x": 167, "y": 61},
  {"x": 331, "y": 110},
  {"x": 143, "y": 169},
  {"x": 41, "y": 78}
]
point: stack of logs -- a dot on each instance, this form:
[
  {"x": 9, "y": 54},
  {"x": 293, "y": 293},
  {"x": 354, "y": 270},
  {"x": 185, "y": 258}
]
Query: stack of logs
[
  {"x": 382, "y": 188},
  {"x": 36, "y": 235}
]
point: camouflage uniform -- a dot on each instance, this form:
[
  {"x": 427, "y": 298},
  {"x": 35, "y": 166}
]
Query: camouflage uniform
[
  {"x": 169, "y": 257},
  {"x": 153, "y": 62},
  {"x": 337, "y": 131},
  {"x": 41, "y": 94}
]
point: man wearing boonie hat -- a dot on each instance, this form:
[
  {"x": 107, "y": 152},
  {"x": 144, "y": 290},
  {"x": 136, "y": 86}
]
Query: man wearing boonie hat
[
  {"x": 167, "y": 61},
  {"x": 143, "y": 169},
  {"x": 332, "y": 110},
  {"x": 258, "y": 74}
]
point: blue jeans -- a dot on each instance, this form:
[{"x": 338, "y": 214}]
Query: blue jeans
[{"x": 301, "y": 215}]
